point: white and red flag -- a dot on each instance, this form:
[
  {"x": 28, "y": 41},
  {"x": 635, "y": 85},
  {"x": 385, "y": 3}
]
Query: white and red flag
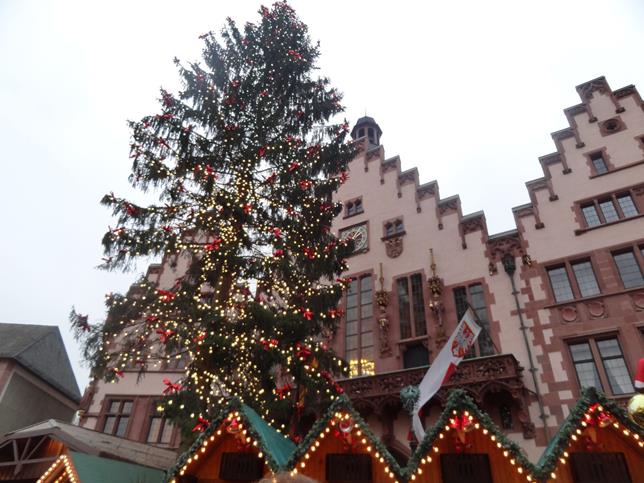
[{"x": 450, "y": 356}]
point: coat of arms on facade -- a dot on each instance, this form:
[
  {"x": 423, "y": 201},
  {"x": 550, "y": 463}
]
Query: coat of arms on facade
[{"x": 394, "y": 246}]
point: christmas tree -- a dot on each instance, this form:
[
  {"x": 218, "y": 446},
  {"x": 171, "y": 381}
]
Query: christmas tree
[{"x": 243, "y": 162}]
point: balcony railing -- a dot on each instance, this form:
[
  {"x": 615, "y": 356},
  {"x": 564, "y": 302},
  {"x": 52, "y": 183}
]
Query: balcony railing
[{"x": 472, "y": 374}]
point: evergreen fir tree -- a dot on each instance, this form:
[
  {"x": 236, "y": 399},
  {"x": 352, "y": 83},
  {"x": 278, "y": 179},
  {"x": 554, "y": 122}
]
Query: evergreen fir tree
[{"x": 244, "y": 161}]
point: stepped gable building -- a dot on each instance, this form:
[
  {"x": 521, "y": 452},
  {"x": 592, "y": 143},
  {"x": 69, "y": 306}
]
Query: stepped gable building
[
  {"x": 36, "y": 378},
  {"x": 561, "y": 297}
]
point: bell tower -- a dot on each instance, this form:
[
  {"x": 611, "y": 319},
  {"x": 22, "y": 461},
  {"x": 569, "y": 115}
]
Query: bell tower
[{"x": 367, "y": 127}]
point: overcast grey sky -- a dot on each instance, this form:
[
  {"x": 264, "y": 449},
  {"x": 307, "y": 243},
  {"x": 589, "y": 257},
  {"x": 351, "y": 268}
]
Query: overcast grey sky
[{"x": 468, "y": 91}]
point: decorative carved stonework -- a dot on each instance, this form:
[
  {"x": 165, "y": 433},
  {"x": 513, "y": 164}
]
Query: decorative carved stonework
[
  {"x": 596, "y": 309},
  {"x": 408, "y": 176},
  {"x": 638, "y": 300},
  {"x": 472, "y": 225},
  {"x": 426, "y": 190},
  {"x": 491, "y": 268},
  {"x": 435, "y": 286},
  {"x": 586, "y": 90},
  {"x": 527, "y": 260},
  {"x": 523, "y": 212},
  {"x": 382, "y": 300},
  {"x": 479, "y": 377},
  {"x": 394, "y": 246},
  {"x": 447, "y": 206},
  {"x": 569, "y": 313}
]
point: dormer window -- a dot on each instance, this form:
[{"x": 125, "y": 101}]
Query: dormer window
[
  {"x": 394, "y": 227},
  {"x": 354, "y": 207}
]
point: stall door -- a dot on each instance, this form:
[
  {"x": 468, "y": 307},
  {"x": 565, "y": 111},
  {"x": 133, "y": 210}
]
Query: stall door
[
  {"x": 599, "y": 468},
  {"x": 466, "y": 468}
]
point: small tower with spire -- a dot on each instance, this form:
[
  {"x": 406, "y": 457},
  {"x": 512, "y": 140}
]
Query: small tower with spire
[{"x": 367, "y": 127}]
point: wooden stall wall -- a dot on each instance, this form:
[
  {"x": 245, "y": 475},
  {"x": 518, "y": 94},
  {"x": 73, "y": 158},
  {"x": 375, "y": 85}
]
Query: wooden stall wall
[
  {"x": 504, "y": 468},
  {"x": 204, "y": 465},
  {"x": 607, "y": 440}
]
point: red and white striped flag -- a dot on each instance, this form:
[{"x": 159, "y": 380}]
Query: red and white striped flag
[{"x": 450, "y": 356}]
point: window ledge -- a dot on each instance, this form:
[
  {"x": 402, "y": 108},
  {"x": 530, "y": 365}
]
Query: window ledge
[
  {"x": 411, "y": 340},
  {"x": 620, "y": 168},
  {"x": 594, "y": 297},
  {"x": 581, "y": 231},
  {"x": 352, "y": 215}
]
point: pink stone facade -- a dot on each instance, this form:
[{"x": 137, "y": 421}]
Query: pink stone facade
[{"x": 575, "y": 314}]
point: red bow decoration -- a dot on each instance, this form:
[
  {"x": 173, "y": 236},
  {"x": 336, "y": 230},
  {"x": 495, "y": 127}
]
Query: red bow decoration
[
  {"x": 333, "y": 313},
  {"x": 313, "y": 150},
  {"x": 462, "y": 422},
  {"x": 264, "y": 93},
  {"x": 294, "y": 165},
  {"x": 166, "y": 295},
  {"x": 271, "y": 179},
  {"x": 309, "y": 252},
  {"x": 261, "y": 151},
  {"x": 269, "y": 343},
  {"x": 325, "y": 206},
  {"x": 306, "y": 184},
  {"x": 167, "y": 228},
  {"x": 167, "y": 99},
  {"x": 214, "y": 245},
  {"x": 118, "y": 372},
  {"x": 199, "y": 338},
  {"x": 202, "y": 424},
  {"x": 302, "y": 351},
  {"x": 307, "y": 313},
  {"x": 117, "y": 231},
  {"x": 235, "y": 83},
  {"x": 277, "y": 232},
  {"x": 165, "y": 334},
  {"x": 248, "y": 208},
  {"x": 165, "y": 116},
  {"x": 344, "y": 176},
  {"x": 130, "y": 208},
  {"x": 282, "y": 392},
  {"x": 596, "y": 416},
  {"x": 170, "y": 387},
  {"x": 278, "y": 252},
  {"x": 295, "y": 54},
  {"x": 151, "y": 318}
]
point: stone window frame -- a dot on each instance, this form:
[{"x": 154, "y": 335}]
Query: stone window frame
[
  {"x": 597, "y": 359},
  {"x": 396, "y": 223},
  {"x": 603, "y": 153},
  {"x": 359, "y": 276},
  {"x": 106, "y": 413},
  {"x": 350, "y": 203},
  {"x": 637, "y": 249},
  {"x": 413, "y": 323},
  {"x": 633, "y": 191},
  {"x": 567, "y": 264},
  {"x": 152, "y": 414}
]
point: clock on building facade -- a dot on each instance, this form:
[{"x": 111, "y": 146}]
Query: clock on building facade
[{"x": 359, "y": 235}]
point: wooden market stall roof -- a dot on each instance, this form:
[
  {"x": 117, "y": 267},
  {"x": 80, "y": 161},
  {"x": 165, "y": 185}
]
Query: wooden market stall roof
[
  {"x": 594, "y": 417},
  {"x": 82, "y": 468},
  {"x": 465, "y": 443},
  {"x": 273, "y": 446},
  {"x": 341, "y": 430}
]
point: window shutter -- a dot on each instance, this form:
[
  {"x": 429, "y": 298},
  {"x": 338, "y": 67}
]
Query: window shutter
[
  {"x": 241, "y": 467},
  {"x": 599, "y": 468},
  {"x": 348, "y": 468},
  {"x": 466, "y": 468}
]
